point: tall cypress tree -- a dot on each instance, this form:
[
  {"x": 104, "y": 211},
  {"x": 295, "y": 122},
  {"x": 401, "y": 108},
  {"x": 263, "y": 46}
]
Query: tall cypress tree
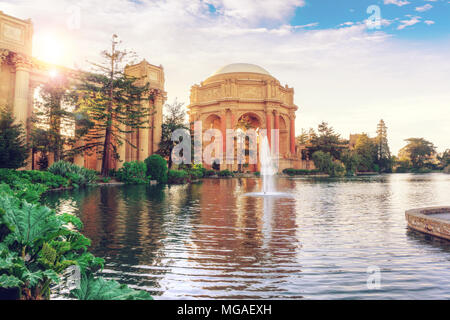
[
  {"x": 112, "y": 105},
  {"x": 13, "y": 148}
]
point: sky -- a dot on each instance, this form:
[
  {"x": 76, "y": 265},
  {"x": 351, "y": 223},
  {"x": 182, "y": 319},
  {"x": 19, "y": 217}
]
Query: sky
[{"x": 350, "y": 62}]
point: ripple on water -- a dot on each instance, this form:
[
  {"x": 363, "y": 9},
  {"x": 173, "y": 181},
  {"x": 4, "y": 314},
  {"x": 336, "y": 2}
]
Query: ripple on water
[{"x": 211, "y": 240}]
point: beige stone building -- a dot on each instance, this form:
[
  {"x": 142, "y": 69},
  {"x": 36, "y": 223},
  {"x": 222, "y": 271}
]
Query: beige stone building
[
  {"x": 21, "y": 75},
  {"x": 242, "y": 90}
]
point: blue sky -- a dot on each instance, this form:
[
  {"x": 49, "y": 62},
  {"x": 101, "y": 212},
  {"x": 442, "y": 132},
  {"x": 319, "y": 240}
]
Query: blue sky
[
  {"x": 332, "y": 14},
  {"x": 342, "y": 71}
]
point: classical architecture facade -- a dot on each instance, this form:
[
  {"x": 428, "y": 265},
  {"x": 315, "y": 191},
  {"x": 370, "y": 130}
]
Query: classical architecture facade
[
  {"x": 246, "y": 92},
  {"x": 21, "y": 75}
]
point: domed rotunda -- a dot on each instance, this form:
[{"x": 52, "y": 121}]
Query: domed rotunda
[{"x": 241, "y": 92}]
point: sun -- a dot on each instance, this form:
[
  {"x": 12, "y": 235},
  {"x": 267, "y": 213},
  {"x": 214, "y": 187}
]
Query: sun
[{"x": 51, "y": 48}]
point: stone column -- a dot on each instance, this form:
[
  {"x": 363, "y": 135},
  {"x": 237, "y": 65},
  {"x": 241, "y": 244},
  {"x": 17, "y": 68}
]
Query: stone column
[
  {"x": 21, "y": 91},
  {"x": 276, "y": 139},
  {"x": 292, "y": 130},
  {"x": 157, "y": 121},
  {"x": 269, "y": 126},
  {"x": 122, "y": 149},
  {"x": 223, "y": 128}
]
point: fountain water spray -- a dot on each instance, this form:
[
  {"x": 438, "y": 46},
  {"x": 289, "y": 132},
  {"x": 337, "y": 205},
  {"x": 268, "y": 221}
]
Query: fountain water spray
[{"x": 267, "y": 166}]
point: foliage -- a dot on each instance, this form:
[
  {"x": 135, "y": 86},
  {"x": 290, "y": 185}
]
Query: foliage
[
  {"x": 419, "y": 151},
  {"x": 257, "y": 173},
  {"x": 78, "y": 176},
  {"x": 225, "y": 173},
  {"x": 327, "y": 141},
  {"x": 112, "y": 104},
  {"x": 351, "y": 161},
  {"x": 209, "y": 173},
  {"x": 366, "y": 149},
  {"x": 324, "y": 163},
  {"x": 156, "y": 168},
  {"x": 384, "y": 160},
  {"x": 444, "y": 159},
  {"x": 216, "y": 165},
  {"x": 53, "y": 119},
  {"x": 37, "y": 246},
  {"x": 173, "y": 120},
  {"x": 13, "y": 148},
  {"x": 100, "y": 289},
  {"x": 447, "y": 169},
  {"x": 133, "y": 172},
  {"x": 29, "y": 185},
  {"x": 177, "y": 176},
  {"x": 299, "y": 172}
]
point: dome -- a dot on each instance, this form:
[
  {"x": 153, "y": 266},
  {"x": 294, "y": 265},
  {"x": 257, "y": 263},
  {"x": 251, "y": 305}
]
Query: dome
[{"x": 241, "y": 67}]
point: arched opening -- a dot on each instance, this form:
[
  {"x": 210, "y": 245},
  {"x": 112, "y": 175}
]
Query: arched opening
[{"x": 246, "y": 122}]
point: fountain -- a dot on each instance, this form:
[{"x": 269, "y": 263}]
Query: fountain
[{"x": 268, "y": 171}]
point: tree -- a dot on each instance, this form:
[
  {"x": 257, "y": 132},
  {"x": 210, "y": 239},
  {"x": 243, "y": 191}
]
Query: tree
[
  {"x": 303, "y": 138},
  {"x": 13, "y": 148},
  {"x": 54, "y": 119},
  {"x": 419, "y": 151},
  {"x": 384, "y": 159},
  {"x": 444, "y": 159},
  {"x": 112, "y": 105},
  {"x": 351, "y": 161},
  {"x": 173, "y": 120},
  {"x": 366, "y": 148},
  {"x": 156, "y": 168},
  {"x": 327, "y": 141}
]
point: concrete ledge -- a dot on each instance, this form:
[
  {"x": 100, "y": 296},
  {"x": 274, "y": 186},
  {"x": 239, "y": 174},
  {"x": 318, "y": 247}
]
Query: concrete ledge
[{"x": 427, "y": 220}]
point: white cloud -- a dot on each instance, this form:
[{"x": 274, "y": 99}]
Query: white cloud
[
  {"x": 407, "y": 23},
  {"x": 399, "y": 3},
  {"x": 424, "y": 8},
  {"x": 429, "y": 22},
  {"x": 347, "y": 76}
]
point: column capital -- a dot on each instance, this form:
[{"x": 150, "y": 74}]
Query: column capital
[
  {"x": 4, "y": 53},
  {"x": 22, "y": 62}
]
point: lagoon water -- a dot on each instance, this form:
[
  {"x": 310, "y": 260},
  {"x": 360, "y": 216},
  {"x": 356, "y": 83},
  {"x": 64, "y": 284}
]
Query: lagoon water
[{"x": 209, "y": 240}]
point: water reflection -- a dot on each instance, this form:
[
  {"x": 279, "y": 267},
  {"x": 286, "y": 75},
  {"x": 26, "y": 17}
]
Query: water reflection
[{"x": 207, "y": 240}]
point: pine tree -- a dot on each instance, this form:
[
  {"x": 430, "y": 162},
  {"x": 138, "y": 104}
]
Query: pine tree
[
  {"x": 384, "y": 160},
  {"x": 13, "y": 148},
  {"x": 54, "y": 119},
  {"x": 112, "y": 105}
]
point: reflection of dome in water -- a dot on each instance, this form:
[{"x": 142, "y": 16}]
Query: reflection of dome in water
[{"x": 241, "y": 67}]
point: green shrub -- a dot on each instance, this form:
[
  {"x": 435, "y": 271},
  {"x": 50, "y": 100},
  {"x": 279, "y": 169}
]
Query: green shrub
[
  {"x": 257, "y": 173},
  {"x": 37, "y": 246},
  {"x": 177, "y": 176},
  {"x": 47, "y": 178},
  {"x": 225, "y": 173},
  {"x": 134, "y": 172},
  {"x": 299, "y": 172},
  {"x": 421, "y": 170},
  {"x": 338, "y": 169},
  {"x": 156, "y": 168},
  {"x": 209, "y": 173},
  {"x": 79, "y": 176}
]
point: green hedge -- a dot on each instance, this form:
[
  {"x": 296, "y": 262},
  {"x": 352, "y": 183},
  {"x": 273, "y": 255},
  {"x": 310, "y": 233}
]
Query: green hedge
[
  {"x": 225, "y": 173},
  {"x": 156, "y": 168},
  {"x": 133, "y": 172},
  {"x": 177, "y": 176},
  {"x": 299, "y": 172}
]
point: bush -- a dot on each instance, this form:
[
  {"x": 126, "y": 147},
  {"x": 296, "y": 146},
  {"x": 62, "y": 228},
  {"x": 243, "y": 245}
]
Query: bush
[
  {"x": 421, "y": 170},
  {"x": 299, "y": 172},
  {"x": 177, "y": 176},
  {"x": 156, "y": 168},
  {"x": 37, "y": 247},
  {"x": 30, "y": 185},
  {"x": 78, "y": 176},
  {"x": 225, "y": 173},
  {"x": 257, "y": 173},
  {"x": 209, "y": 173},
  {"x": 338, "y": 169},
  {"x": 134, "y": 172}
]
